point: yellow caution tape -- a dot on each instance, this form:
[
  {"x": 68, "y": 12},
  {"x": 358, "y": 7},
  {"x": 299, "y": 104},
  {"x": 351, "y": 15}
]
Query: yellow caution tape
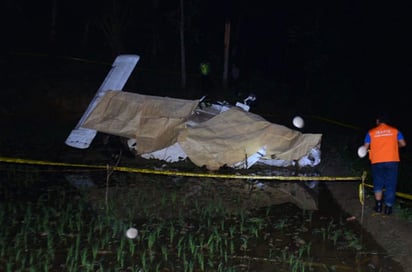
[
  {"x": 334, "y": 122},
  {"x": 177, "y": 173},
  {"x": 399, "y": 194},
  {"x": 362, "y": 189},
  {"x": 361, "y": 194},
  {"x": 208, "y": 175}
]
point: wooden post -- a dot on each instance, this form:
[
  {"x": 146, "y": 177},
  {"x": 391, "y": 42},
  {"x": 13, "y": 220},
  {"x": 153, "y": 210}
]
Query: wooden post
[
  {"x": 182, "y": 46},
  {"x": 226, "y": 54}
]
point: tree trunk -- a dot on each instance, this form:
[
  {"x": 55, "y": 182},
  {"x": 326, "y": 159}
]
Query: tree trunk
[
  {"x": 53, "y": 25},
  {"x": 226, "y": 54},
  {"x": 182, "y": 46}
]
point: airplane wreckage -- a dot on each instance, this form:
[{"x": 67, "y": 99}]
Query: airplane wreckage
[{"x": 210, "y": 135}]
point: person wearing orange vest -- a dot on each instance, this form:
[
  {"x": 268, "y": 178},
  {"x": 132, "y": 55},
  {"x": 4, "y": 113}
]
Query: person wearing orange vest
[{"x": 383, "y": 142}]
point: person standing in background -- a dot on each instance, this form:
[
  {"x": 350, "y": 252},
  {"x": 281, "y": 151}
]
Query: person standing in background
[
  {"x": 206, "y": 80},
  {"x": 383, "y": 142}
]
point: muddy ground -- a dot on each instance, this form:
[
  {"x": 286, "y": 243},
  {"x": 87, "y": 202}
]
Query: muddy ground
[{"x": 392, "y": 232}]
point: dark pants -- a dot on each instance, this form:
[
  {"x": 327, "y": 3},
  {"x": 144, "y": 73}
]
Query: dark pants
[{"x": 385, "y": 176}]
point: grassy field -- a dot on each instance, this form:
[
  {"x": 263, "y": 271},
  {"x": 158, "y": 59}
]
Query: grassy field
[{"x": 48, "y": 225}]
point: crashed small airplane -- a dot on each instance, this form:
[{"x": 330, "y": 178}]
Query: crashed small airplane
[{"x": 173, "y": 129}]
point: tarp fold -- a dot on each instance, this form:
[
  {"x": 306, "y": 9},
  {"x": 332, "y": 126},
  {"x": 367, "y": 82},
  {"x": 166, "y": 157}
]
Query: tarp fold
[{"x": 225, "y": 139}]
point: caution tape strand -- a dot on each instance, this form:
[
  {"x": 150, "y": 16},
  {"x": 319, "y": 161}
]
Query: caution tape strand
[
  {"x": 208, "y": 175},
  {"x": 177, "y": 173}
]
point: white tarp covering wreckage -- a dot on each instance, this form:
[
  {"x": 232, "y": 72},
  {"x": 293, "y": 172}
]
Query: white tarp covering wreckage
[{"x": 172, "y": 129}]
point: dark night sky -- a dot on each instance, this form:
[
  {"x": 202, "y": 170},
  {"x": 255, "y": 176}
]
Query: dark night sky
[{"x": 354, "y": 47}]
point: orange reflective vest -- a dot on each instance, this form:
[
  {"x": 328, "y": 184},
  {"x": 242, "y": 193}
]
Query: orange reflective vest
[{"x": 383, "y": 144}]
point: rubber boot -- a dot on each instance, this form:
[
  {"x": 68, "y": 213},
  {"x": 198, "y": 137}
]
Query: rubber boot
[
  {"x": 378, "y": 206},
  {"x": 388, "y": 210}
]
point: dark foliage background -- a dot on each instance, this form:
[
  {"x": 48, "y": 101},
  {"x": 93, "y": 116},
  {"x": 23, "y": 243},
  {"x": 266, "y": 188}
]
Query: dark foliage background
[{"x": 346, "y": 59}]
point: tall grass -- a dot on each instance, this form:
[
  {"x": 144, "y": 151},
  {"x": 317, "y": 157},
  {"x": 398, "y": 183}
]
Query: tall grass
[{"x": 59, "y": 230}]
